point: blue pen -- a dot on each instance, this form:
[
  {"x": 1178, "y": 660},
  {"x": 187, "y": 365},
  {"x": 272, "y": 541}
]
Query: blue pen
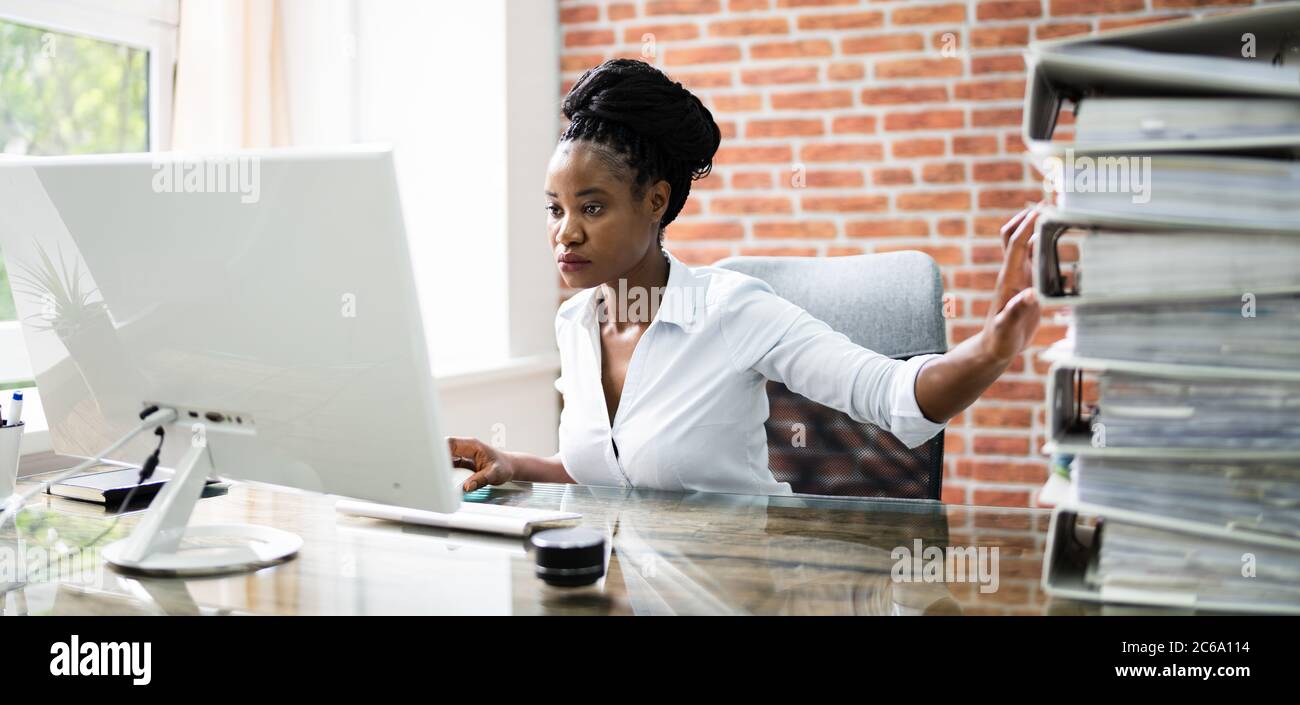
[{"x": 16, "y": 409}]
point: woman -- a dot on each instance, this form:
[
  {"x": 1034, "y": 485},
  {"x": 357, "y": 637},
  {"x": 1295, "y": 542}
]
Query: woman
[{"x": 664, "y": 366}]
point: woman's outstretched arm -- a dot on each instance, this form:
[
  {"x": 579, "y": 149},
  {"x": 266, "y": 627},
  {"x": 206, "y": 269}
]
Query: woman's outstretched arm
[{"x": 948, "y": 384}]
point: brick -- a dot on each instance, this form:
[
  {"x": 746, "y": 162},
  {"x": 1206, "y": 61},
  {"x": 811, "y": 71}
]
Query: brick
[
  {"x": 1061, "y": 29},
  {"x": 1119, "y": 23},
  {"x": 921, "y": 147},
  {"x": 929, "y": 14},
  {"x": 1001, "y": 445},
  {"x": 778, "y": 251},
  {"x": 990, "y": 90},
  {"x": 1012, "y": 143},
  {"x": 697, "y": 230},
  {"x": 784, "y": 128},
  {"x": 683, "y": 7},
  {"x": 845, "y": 204},
  {"x": 802, "y": 229},
  {"x": 998, "y": 171},
  {"x": 887, "y": 228},
  {"x": 1008, "y": 198},
  {"x": 986, "y": 254},
  {"x": 876, "y": 44},
  {"x": 1016, "y": 390},
  {"x": 951, "y": 227},
  {"x": 786, "y": 50},
  {"x": 702, "y": 55},
  {"x": 974, "y": 144},
  {"x": 1008, "y": 10},
  {"x": 834, "y": 179},
  {"x": 872, "y": 152},
  {"x": 842, "y": 251},
  {"x": 947, "y": 42},
  {"x": 744, "y": 205},
  {"x": 856, "y": 124},
  {"x": 901, "y": 95},
  {"x": 1048, "y": 334},
  {"x": 926, "y": 120},
  {"x": 621, "y": 11},
  {"x": 576, "y": 15},
  {"x": 1002, "y": 417},
  {"x": 850, "y": 20},
  {"x": 784, "y": 74},
  {"x": 961, "y": 332},
  {"x": 697, "y": 256},
  {"x": 749, "y": 27},
  {"x": 712, "y": 182},
  {"x": 735, "y": 103},
  {"x": 661, "y": 32},
  {"x": 988, "y": 37},
  {"x": 573, "y": 63},
  {"x": 892, "y": 176},
  {"x": 954, "y": 494},
  {"x": 1094, "y": 7},
  {"x": 1005, "y": 63},
  {"x": 814, "y": 3},
  {"x": 995, "y": 117},
  {"x": 750, "y": 155},
  {"x": 919, "y": 68},
  {"x": 812, "y": 100},
  {"x": 990, "y": 226},
  {"x": 702, "y": 79},
  {"x": 748, "y": 5},
  {"x": 982, "y": 280},
  {"x": 943, "y": 173},
  {"x": 588, "y": 37},
  {"x": 846, "y": 71},
  {"x": 751, "y": 180},
  {"x": 933, "y": 201}
]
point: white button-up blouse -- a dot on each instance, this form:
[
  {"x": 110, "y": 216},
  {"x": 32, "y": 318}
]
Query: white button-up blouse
[{"x": 694, "y": 401}]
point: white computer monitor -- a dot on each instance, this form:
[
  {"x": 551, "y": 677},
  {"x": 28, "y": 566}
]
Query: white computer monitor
[{"x": 268, "y": 297}]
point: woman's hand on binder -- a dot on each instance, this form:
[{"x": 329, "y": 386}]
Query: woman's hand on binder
[
  {"x": 489, "y": 465},
  {"x": 947, "y": 385},
  {"x": 1015, "y": 314}
]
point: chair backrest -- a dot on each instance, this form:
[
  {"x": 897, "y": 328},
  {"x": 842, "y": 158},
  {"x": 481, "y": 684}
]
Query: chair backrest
[{"x": 891, "y": 303}]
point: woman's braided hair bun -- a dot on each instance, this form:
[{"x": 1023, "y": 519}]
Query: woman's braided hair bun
[{"x": 660, "y": 129}]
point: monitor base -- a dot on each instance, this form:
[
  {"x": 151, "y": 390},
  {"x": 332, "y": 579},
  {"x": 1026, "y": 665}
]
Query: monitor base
[
  {"x": 164, "y": 543},
  {"x": 211, "y": 550}
]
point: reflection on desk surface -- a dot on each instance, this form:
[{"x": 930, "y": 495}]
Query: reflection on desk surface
[{"x": 669, "y": 553}]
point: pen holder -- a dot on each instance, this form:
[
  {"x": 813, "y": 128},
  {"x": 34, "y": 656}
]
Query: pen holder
[{"x": 11, "y": 438}]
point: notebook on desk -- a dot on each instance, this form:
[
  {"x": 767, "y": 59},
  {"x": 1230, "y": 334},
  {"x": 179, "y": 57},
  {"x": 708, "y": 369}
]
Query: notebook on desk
[{"x": 485, "y": 518}]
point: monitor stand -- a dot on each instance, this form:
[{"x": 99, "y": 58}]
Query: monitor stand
[{"x": 163, "y": 544}]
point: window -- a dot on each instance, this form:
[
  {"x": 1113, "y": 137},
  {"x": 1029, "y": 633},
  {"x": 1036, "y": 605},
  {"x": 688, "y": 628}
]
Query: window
[{"x": 79, "y": 78}]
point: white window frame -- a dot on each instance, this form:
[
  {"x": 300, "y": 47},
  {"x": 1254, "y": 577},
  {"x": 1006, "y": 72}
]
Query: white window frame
[{"x": 150, "y": 25}]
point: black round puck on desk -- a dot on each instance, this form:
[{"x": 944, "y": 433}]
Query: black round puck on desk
[{"x": 569, "y": 557}]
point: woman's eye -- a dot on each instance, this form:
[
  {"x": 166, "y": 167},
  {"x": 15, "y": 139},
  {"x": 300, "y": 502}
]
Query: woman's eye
[
  {"x": 553, "y": 209},
  {"x": 592, "y": 209}
]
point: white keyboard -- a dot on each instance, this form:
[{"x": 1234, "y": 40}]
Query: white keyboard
[{"x": 487, "y": 518}]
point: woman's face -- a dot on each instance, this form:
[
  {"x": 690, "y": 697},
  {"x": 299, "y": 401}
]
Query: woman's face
[{"x": 599, "y": 229}]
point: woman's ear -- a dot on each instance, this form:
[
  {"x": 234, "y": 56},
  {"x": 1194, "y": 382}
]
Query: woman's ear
[{"x": 660, "y": 191}]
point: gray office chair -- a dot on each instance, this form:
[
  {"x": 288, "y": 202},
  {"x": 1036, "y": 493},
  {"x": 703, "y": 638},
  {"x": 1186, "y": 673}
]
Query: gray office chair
[{"x": 890, "y": 303}]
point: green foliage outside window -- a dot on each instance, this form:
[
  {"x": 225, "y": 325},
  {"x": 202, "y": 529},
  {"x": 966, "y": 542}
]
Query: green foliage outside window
[{"x": 65, "y": 94}]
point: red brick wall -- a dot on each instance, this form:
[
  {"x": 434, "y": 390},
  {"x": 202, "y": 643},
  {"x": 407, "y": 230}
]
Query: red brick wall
[{"x": 904, "y": 120}]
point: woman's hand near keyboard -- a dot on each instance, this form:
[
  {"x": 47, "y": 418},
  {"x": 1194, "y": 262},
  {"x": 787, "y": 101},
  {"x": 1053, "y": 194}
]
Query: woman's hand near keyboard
[{"x": 492, "y": 466}]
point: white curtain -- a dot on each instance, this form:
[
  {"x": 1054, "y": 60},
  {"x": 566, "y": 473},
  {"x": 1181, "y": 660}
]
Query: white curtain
[{"x": 264, "y": 73}]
